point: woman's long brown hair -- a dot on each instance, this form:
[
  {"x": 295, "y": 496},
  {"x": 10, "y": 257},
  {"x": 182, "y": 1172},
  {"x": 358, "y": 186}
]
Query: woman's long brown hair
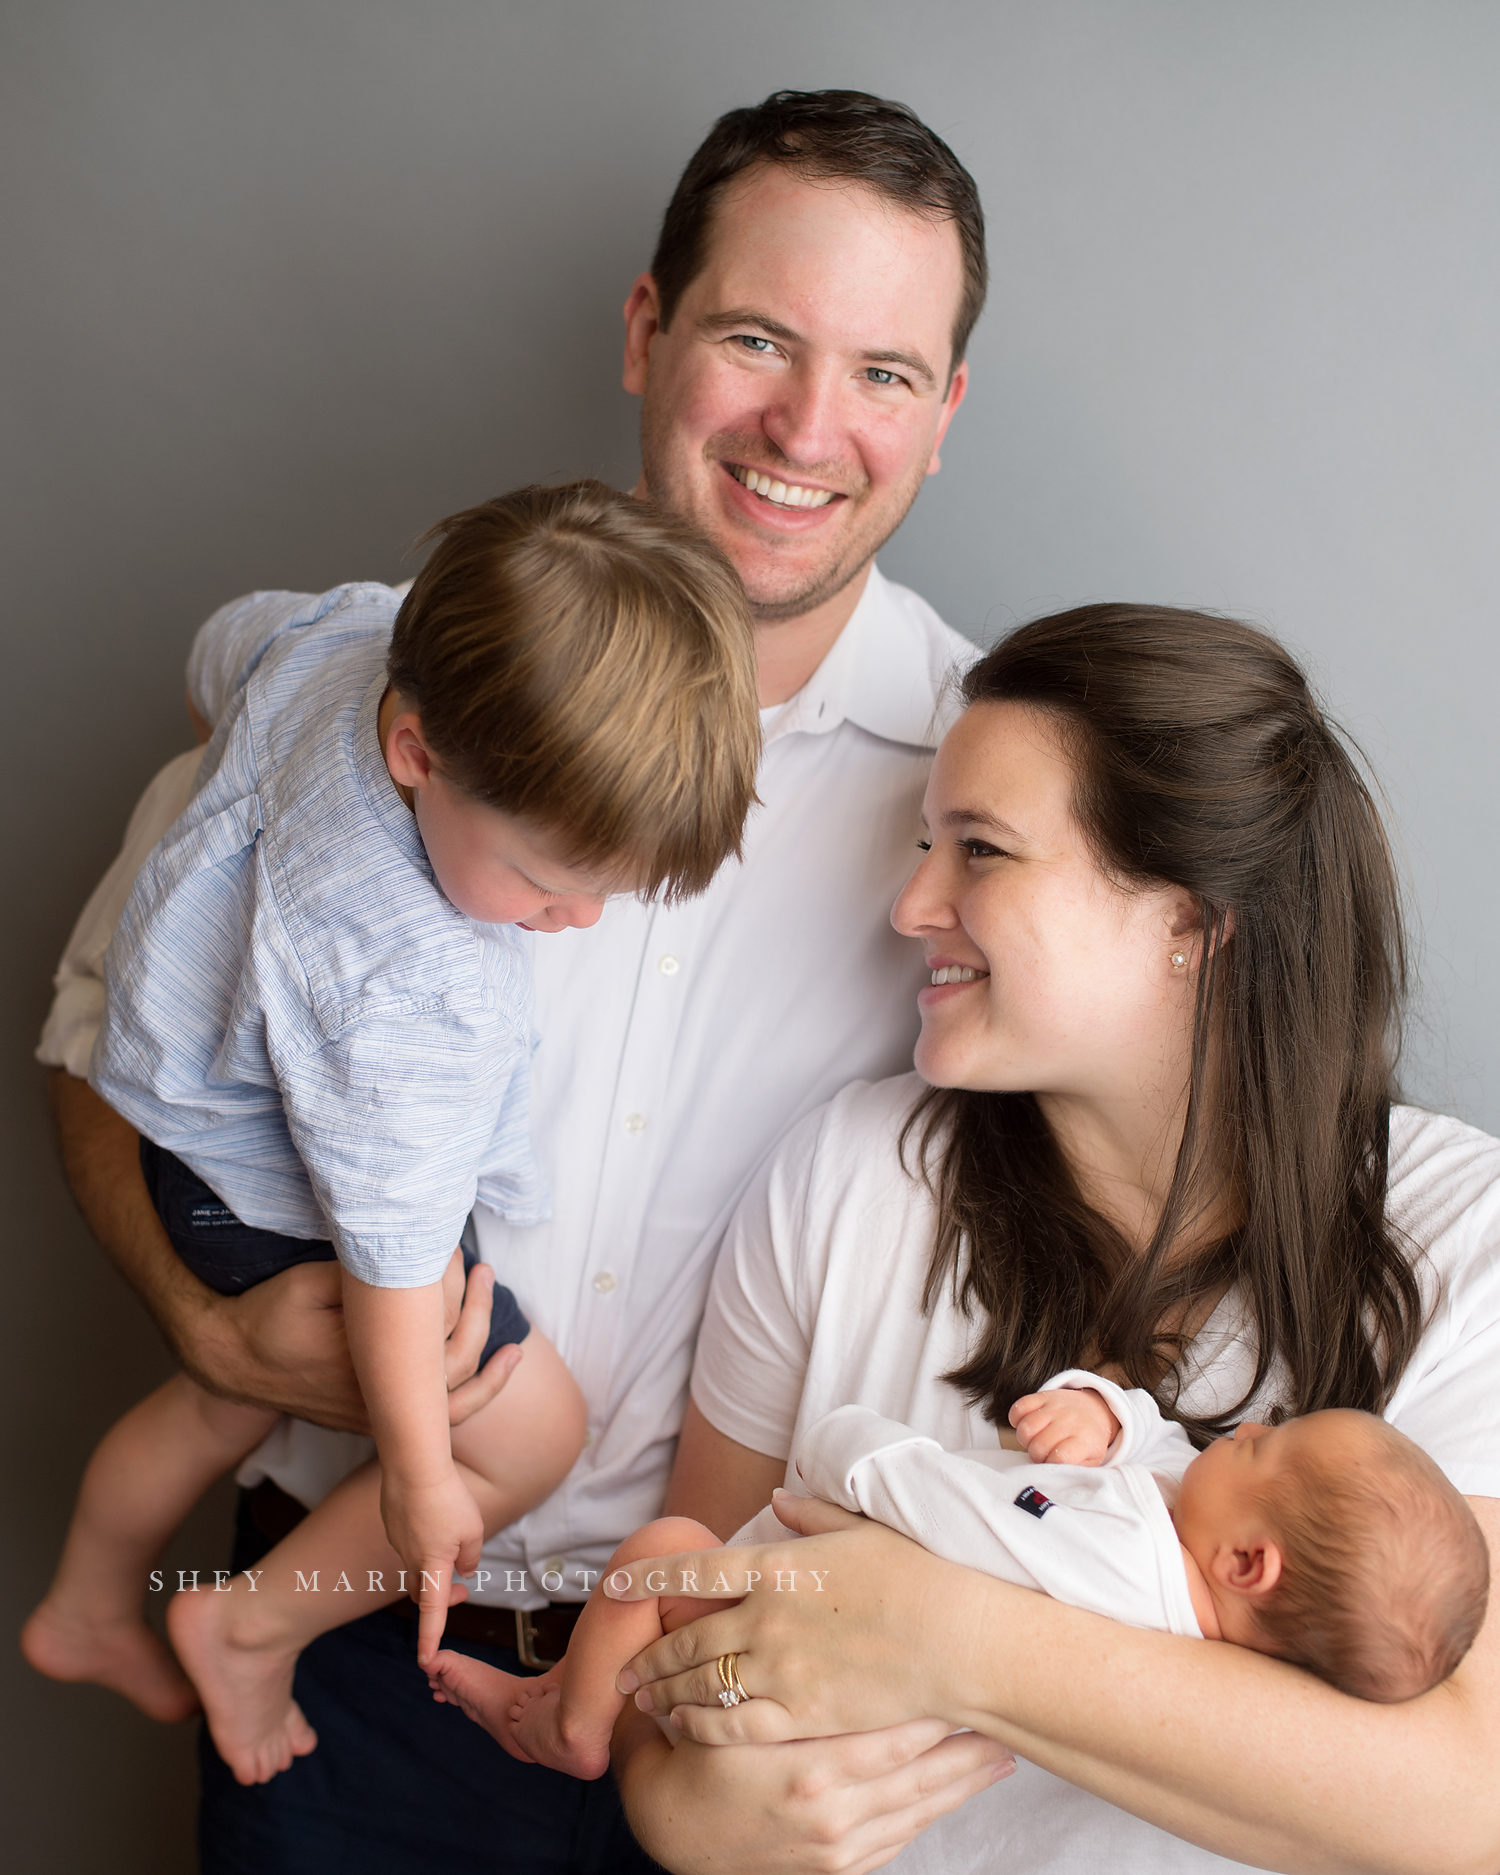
[{"x": 1203, "y": 762}]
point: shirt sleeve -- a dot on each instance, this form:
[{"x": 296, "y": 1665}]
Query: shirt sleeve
[
  {"x": 394, "y": 1122},
  {"x": 77, "y": 1009},
  {"x": 231, "y": 643},
  {"x": 756, "y": 1338},
  {"x": 1145, "y": 1438}
]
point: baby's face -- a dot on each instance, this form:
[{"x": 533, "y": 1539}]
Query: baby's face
[{"x": 1224, "y": 1488}]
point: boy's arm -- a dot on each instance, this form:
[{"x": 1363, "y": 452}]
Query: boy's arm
[
  {"x": 396, "y": 1340},
  {"x": 1145, "y": 1437},
  {"x": 280, "y": 1345}
]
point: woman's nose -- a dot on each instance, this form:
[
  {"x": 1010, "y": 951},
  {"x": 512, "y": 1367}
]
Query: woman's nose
[{"x": 921, "y": 905}]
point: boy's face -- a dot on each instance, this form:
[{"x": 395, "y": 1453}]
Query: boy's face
[{"x": 492, "y": 866}]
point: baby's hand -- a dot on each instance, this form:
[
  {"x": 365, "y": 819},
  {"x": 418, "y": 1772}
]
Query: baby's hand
[{"x": 1067, "y": 1426}]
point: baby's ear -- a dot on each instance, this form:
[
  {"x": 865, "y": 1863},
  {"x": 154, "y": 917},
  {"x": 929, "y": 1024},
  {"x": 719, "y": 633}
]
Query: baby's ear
[{"x": 1252, "y": 1571}]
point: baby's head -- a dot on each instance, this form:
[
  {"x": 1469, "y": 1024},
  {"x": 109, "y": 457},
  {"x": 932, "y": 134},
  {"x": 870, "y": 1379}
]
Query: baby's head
[
  {"x": 572, "y": 706},
  {"x": 1334, "y": 1542}
]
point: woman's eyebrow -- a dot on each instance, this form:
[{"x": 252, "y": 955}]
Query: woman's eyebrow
[{"x": 977, "y": 817}]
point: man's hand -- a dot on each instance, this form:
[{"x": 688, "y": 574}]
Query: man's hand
[
  {"x": 281, "y": 1344},
  {"x": 1066, "y": 1426}
]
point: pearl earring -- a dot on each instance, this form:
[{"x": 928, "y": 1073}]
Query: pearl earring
[{"x": 1179, "y": 960}]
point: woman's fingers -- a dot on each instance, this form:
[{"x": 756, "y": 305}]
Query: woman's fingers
[
  {"x": 752, "y": 1722},
  {"x": 913, "y": 1797}
]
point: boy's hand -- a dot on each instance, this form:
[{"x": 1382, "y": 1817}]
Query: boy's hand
[
  {"x": 1066, "y": 1426},
  {"x": 437, "y": 1531}
]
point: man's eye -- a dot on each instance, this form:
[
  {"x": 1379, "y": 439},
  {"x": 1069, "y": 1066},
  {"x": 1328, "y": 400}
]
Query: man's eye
[
  {"x": 754, "y": 344},
  {"x": 877, "y": 374}
]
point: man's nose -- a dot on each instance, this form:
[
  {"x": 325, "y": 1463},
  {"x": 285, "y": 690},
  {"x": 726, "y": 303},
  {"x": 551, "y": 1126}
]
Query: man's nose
[{"x": 804, "y": 419}]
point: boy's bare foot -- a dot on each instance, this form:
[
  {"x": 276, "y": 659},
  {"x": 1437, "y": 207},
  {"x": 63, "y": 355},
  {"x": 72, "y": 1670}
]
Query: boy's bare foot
[
  {"x": 122, "y": 1654},
  {"x": 525, "y": 1715},
  {"x": 245, "y": 1686}
]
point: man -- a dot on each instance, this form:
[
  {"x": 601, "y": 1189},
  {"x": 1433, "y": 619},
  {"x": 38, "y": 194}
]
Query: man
[{"x": 798, "y": 348}]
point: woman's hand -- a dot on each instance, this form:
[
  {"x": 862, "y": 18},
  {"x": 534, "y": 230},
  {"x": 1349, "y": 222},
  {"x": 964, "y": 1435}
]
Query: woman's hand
[
  {"x": 849, "y": 1591},
  {"x": 847, "y": 1804}
]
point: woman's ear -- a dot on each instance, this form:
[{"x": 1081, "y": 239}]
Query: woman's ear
[{"x": 1185, "y": 924}]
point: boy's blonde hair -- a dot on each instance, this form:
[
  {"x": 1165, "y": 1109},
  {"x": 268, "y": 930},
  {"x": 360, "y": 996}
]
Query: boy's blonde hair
[
  {"x": 1385, "y": 1571},
  {"x": 583, "y": 660}
]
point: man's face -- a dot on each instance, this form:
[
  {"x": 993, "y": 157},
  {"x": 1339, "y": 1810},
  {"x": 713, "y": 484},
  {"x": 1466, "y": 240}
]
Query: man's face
[{"x": 797, "y": 402}]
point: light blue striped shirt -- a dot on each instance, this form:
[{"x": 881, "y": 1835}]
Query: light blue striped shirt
[{"x": 294, "y": 1008}]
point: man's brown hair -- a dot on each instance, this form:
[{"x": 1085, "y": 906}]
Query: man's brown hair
[
  {"x": 583, "y": 660},
  {"x": 841, "y": 136},
  {"x": 1384, "y": 1572}
]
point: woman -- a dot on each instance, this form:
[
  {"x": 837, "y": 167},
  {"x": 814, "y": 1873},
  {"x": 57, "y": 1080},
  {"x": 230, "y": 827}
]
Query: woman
[{"x": 1158, "y": 1139}]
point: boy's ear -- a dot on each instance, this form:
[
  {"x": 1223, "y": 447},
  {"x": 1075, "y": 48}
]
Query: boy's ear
[
  {"x": 1252, "y": 1571},
  {"x": 407, "y": 755}
]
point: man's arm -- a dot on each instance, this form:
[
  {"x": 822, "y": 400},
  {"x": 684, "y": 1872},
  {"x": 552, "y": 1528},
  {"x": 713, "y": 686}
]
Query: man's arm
[{"x": 281, "y": 1344}]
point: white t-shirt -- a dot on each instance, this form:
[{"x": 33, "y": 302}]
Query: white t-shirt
[{"x": 816, "y": 1304}]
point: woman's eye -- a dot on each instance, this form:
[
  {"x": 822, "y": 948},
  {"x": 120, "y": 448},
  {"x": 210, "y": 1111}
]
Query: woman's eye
[
  {"x": 981, "y": 849},
  {"x": 924, "y": 846}
]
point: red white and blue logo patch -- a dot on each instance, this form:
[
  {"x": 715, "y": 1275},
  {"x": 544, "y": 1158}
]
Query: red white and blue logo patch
[{"x": 1032, "y": 1501}]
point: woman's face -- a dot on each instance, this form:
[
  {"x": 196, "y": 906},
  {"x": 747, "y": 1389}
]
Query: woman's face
[{"x": 1073, "y": 991}]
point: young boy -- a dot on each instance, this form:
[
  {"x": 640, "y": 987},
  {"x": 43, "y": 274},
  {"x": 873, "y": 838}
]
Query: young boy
[
  {"x": 1330, "y": 1540},
  {"x": 319, "y": 1020}
]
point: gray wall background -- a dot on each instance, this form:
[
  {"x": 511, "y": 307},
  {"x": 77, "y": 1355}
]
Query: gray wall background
[{"x": 282, "y": 283}]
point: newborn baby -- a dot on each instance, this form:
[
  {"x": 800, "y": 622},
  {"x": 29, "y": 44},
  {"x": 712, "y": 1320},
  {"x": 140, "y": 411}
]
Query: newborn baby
[{"x": 1331, "y": 1541}]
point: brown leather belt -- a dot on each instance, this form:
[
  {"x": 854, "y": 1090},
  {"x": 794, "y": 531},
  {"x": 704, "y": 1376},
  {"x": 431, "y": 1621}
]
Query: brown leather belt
[{"x": 539, "y": 1635}]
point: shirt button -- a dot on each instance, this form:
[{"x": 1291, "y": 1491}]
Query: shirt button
[
  {"x": 605, "y": 1281},
  {"x": 635, "y": 1122},
  {"x": 554, "y": 1565},
  {"x": 668, "y": 966}
]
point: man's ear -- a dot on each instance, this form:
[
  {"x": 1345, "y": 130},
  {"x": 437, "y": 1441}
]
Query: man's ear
[
  {"x": 1251, "y": 1571},
  {"x": 642, "y": 323},
  {"x": 958, "y": 387},
  {"x": 407, "y": 755}
]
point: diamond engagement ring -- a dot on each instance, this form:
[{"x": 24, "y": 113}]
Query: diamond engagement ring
[{"x": 731, "y": 1692}]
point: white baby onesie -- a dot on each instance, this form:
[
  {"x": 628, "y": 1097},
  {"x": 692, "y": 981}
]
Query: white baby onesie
[{"x": 1098, "y": 1537}]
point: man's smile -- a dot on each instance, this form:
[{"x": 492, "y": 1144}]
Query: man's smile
[{"x": 780, "y": 494}]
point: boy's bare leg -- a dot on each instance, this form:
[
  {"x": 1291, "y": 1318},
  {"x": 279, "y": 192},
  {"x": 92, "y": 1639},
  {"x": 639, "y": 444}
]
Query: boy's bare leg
[
  {"x": 145, "y": 1476},
  {"x": 565, "y": 1718},
  {"x": 240, "y": 1645}
]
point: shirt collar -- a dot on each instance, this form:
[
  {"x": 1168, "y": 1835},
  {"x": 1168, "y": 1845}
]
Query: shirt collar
[
  {"x": 878, "y": 675},
  {"x": 397, "y": 820}
]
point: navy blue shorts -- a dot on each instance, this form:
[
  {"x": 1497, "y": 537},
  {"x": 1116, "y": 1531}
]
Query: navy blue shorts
[{"x": 232, "y": 1256}]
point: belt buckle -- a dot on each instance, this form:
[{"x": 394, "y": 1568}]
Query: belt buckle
[{"x": 526, "y": 1641}]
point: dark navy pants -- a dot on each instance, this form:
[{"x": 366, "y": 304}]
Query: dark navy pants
[{"x": 400, "y": 1785}]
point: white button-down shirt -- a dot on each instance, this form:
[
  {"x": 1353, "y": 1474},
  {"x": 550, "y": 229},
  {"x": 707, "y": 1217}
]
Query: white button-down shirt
[{"x": 678, "y": 1044}]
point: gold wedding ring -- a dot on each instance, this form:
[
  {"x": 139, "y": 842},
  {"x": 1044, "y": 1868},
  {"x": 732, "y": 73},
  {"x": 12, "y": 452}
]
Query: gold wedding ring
[{"x": 731, "y": 1692}]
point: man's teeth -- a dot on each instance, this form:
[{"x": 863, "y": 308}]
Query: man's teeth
[
  {"x": 780, "y": 493},
  {"x": 954, "y": 973}
]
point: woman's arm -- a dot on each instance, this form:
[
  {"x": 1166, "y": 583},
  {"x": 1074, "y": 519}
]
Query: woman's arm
[
  {"x": 843, "y": 1804},
  {"x": 1242, "y": 1754}
]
